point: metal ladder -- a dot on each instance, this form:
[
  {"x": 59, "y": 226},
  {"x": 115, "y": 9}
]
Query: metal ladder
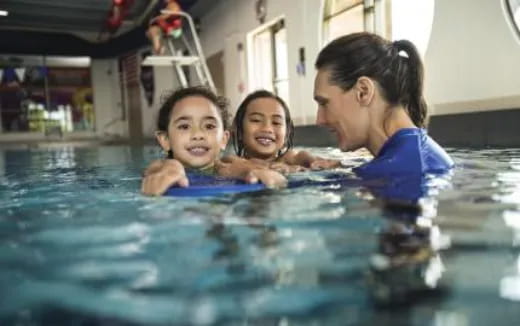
[{"x": 195, "y": 57}]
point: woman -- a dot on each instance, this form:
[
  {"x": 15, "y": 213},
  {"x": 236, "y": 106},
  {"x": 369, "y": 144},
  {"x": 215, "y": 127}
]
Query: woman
[{"x": 370, "y": 94}]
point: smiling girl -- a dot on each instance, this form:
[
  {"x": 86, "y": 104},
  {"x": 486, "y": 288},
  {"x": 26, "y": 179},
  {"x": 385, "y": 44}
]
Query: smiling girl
[{"x": 263, "y": 132}]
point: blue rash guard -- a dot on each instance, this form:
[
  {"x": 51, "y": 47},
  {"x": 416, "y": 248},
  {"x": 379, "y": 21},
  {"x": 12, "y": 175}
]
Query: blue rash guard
[{"x": 409, "y": 151}]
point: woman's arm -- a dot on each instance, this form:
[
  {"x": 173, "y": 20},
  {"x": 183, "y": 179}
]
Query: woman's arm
[{"x": 306, "y": 159}]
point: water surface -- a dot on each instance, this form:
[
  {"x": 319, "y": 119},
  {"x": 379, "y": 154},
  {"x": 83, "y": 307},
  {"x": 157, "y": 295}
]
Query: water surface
[{"x": 80, "y": 245}]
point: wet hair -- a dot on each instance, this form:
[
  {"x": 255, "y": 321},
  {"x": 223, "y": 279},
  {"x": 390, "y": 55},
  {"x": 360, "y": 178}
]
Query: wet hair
[
  {"x": 395, "y": 66},
  {"x": 169, "y": 101},
  {"x": 238, "y": 122}
]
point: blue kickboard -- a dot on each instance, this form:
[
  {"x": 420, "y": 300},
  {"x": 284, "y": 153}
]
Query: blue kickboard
[{"x": 206, "y": 185}]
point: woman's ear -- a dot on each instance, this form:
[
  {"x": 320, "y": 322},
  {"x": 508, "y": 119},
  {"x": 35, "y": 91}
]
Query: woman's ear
[
  {"x": 365, "y": 90},
  {"x": 225, "y": 139},
  {"x": 163, "y": 140}
]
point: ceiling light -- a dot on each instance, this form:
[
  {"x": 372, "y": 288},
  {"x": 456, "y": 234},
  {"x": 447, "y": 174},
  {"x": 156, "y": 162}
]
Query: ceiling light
[{"x": 4, "y": 12}]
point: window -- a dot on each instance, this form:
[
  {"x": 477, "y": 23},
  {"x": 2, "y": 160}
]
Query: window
[
  {"x": 268, "y": 68},
  {"x": 48, "y": 94},
  {"x": 513, "y": 7},
  {"x": 342, "y": 17},
  {"x": 281, "y": 72},
  {"x": 390, "y": 19}
]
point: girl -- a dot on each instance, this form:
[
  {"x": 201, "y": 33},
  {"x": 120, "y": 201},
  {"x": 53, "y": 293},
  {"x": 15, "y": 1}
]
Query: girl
[
  {"x": 263, "y": 133},
  {"x": 192, "y": 130}
]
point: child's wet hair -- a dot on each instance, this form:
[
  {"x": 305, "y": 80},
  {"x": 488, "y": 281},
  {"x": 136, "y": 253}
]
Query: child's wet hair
[
  {"x": 169, "y": 101},
  {"x": 238, "y": 122}
]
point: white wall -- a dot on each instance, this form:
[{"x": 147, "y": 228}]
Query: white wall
[
  {"x": 165, "y": 81},
  {"x": 110, "y": 120},
  {"x": 228, "y": 24},
  {"x": 473, "y": 59},
  {"x": 107, "y": 99},
  {"x": 415, "y": 28}
]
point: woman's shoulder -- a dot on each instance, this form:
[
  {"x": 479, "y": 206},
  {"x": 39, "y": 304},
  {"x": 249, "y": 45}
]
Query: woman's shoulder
[
  {"x": 409, "y": 151},
  {"x": 435, "y": 157}
]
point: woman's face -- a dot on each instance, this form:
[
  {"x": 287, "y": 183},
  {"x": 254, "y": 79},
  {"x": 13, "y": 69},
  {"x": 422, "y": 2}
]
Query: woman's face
[
  {"x": 264, "y": 128},
  {"x": 340, "y": 111}
]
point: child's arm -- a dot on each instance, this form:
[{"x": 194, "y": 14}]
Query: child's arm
[
  {"x": 306, "y": 159},
  {"x": 162, "y": 174},
  {"x": 250, "y": 172}
]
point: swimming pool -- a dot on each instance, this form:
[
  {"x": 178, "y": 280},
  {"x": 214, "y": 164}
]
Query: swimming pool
[{"x": 79, "y": 245}]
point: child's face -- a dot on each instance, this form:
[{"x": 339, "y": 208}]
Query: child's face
[
  {"x": 264, "y": 128},
  {"x": 195, "y": 133}
]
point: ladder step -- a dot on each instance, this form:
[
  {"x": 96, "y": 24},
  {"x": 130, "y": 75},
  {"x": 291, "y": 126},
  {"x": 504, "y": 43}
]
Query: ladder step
[{"x": 165, "y": 60}]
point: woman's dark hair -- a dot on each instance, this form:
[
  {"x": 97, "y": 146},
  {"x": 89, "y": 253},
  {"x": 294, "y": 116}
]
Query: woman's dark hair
[
  {"x": 238, "y": 122},
  {"x": 169, "y": 101},
  {"x": 395, "y": 66}
]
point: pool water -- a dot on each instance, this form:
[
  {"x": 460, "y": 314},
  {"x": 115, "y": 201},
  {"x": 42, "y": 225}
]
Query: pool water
[{"x": 79, "y": 245}]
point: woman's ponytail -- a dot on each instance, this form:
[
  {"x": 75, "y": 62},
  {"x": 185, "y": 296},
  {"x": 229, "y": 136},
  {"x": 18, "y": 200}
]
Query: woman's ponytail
[{"x": 413, "y": 82}]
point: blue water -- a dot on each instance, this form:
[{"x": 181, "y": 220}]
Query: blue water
[{"x": 79, "y": 245}]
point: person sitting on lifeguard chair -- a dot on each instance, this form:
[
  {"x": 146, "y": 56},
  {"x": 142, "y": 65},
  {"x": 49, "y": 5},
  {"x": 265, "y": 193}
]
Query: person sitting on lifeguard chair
[{"x": 165, "y": 24}]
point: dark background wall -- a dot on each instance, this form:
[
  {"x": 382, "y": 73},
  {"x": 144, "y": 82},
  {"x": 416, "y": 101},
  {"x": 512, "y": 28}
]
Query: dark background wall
[
  {"x": 313, "y": 135},
  {"x": 477, "y": 129}
]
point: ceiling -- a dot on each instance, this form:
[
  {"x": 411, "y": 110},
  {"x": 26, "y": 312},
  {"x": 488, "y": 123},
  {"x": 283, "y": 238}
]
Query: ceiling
[{"x": 77, "y": 27}]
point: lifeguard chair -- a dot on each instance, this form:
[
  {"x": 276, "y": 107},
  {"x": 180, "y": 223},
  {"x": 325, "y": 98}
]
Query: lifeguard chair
[{"x": 183, "y": 52}]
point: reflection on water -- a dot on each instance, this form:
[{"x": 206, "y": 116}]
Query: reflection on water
[
  {"x": 408, "y": 263},
  {"x": 80, "y": 245}
]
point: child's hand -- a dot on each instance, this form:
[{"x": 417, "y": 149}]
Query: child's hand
[
  {"x": 250, "y": 171},
  {"x": 324, "y": 164},
  {"x": 271, "y": 179},
  {"x": 236, "y": 167},
  {"x": 161, "y": 175}
]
